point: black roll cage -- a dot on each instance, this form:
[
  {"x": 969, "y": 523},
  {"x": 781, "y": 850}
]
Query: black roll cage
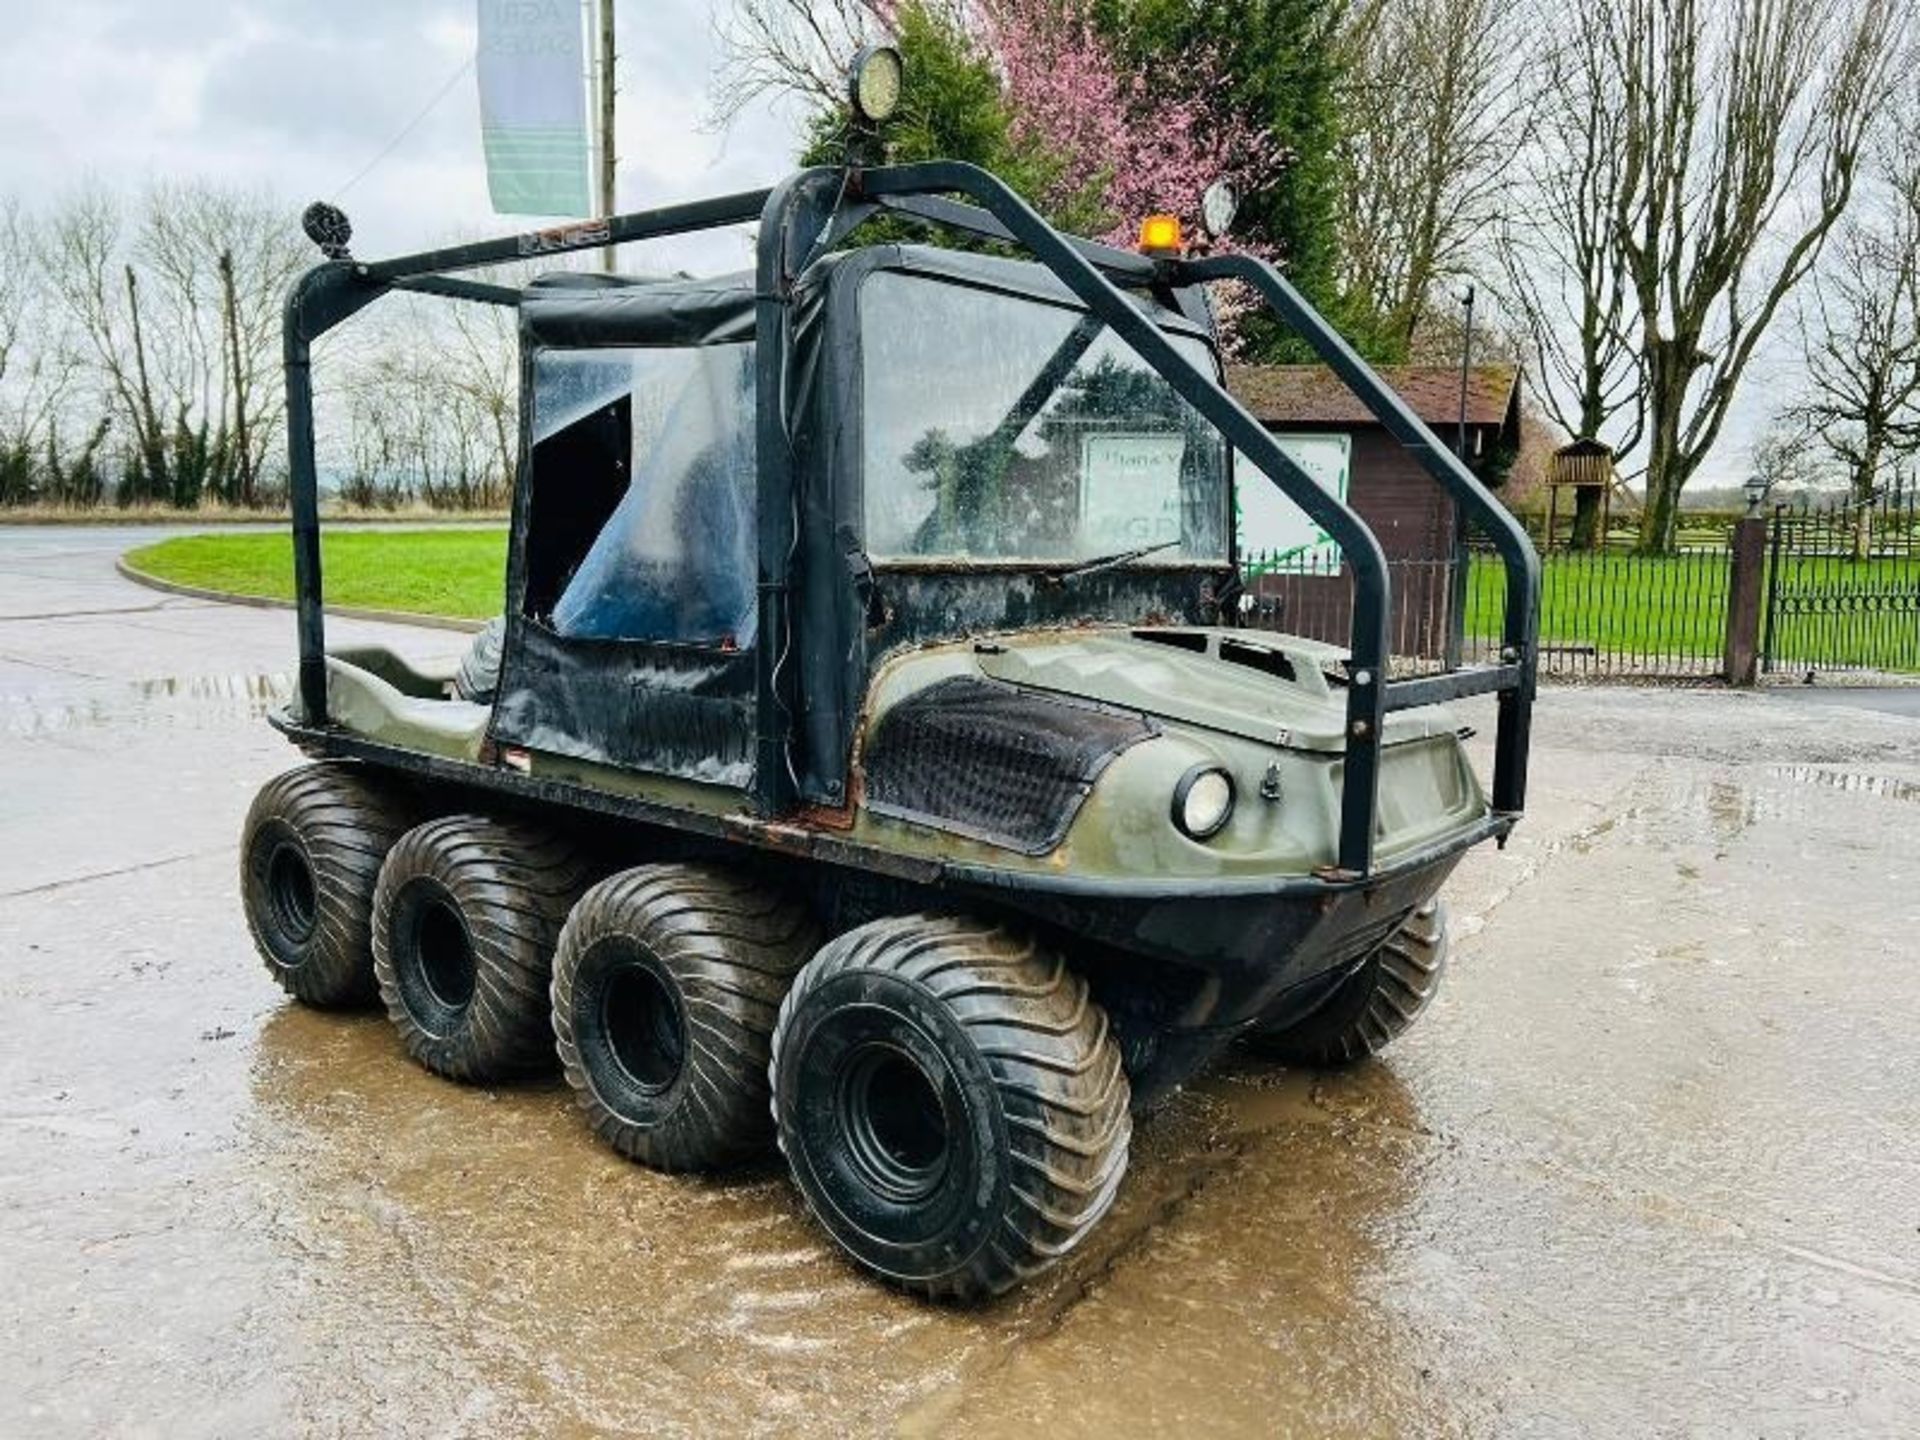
[{"x": 803, "y": 217}]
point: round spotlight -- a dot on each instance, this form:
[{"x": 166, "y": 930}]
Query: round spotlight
[
  {"x": 328, "y": 227},
  {"x": 1218, "y": 207},
  {"x": 1203, "y": 802},
  {"x": 873, "y": 83}
]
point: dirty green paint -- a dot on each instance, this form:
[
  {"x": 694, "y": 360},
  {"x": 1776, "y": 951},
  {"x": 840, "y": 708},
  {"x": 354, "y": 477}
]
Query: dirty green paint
[{"x": 1211, "y": 710}]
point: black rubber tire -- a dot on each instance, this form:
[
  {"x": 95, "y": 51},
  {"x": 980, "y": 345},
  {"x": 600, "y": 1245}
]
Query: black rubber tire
[
  {"x": 465, "y": 919},
  {"x": 951, "y": 1102},
  {"x": 1374, "y": 1005},
  {"x": 478, "y": 678},
  {"x": 310, "y": 853},
  {"x": 666, "y": 987}
]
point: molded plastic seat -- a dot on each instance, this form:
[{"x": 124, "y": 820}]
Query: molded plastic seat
[
  {"x": 363, "y": 702},
  {"x": 433, "y": 682}
]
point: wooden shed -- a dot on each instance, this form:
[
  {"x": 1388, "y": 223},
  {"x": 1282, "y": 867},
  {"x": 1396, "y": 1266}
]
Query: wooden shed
[{"x": 1413, "y": 517}]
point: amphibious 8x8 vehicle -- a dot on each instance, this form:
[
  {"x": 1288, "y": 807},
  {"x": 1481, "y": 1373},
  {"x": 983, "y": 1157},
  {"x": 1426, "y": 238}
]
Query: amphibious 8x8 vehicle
[{"x": 868, "y": 759}]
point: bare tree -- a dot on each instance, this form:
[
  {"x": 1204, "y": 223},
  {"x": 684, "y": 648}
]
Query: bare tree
[
  {"x": 1861, "y": 333},
  {"x": 1434, "y": 118},
  {"x": 1562, "y": 279},
  {"x": 1783, "y": 458},
  {"x": 420, "y": 404},
  {"x": 38, "y": 369},
  {"x": 18, "y": 423},
  {"x": 486, "y": 376},
  {"x": 89, "y": 272},
  {"x": 793, "y": 47},
  {"x": 177, "y": 308},
  {"x": 1742, "y": 124},
  {"x": 220, "y": 261}
]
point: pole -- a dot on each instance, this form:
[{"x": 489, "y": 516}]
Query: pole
[
  {"x": 1773, "y": 589},
  {"x": 1457, "y": 574},
  {"x": 1466, "y": 366},
  {"x": 604, "y": 127},
  {"x": 1746, "y": 603}
]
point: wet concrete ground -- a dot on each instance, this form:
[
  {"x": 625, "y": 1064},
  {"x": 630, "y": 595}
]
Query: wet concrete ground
[{"x": 1651, "y": 1165}]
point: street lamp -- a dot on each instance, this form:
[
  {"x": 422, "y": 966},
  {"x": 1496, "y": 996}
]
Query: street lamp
[{"x": 1756, "y": 487}]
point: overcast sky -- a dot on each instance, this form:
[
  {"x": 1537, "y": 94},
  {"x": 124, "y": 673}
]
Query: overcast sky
[{"x": 301, "y": 95}]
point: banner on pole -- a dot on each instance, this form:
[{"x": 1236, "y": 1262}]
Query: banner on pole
[{"x": 533, "y": 106}]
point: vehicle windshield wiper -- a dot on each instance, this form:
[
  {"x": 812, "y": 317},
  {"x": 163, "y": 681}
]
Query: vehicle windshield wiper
[{"x": 1109, "y": 562}]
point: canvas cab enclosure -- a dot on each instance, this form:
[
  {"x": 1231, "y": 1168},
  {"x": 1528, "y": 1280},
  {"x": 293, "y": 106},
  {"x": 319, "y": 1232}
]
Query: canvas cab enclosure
[{"x": 969, "y": 450}]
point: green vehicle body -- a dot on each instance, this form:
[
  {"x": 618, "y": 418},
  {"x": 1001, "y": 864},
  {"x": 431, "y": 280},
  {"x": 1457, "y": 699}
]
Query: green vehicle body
[{"x": 1279, "y": 739}]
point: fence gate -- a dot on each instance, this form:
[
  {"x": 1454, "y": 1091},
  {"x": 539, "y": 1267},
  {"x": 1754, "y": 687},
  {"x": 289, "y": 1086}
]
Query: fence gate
[{"x": 1843, "y": 588}]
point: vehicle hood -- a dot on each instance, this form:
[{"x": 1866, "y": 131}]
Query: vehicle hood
[{"x": 1270, "y": 688}]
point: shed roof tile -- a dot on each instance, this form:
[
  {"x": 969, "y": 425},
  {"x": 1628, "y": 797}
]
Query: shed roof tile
[{"x": 1314, "y": 395}]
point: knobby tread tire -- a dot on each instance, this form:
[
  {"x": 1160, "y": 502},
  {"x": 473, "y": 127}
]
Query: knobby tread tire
[
  {"x": 478, "y": 678},
  {"x": 511, "y": 885},
  {"x": 727, "y": 947},
  {"x": 1375, "y": 1005},
  {"x": 343, "y": 824},
  {"x": 1054, "y": 1072}
]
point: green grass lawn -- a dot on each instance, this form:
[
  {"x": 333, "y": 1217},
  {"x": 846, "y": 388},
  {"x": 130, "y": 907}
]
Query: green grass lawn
[
  {"x": 1616, "y": 604},
  {"x": 1626, "y": 605},
  {"x": 458, "y": 573},
  {"x": 1619, "y": 605}
]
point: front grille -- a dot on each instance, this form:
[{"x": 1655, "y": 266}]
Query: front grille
[{"x": 993, "y": 761}]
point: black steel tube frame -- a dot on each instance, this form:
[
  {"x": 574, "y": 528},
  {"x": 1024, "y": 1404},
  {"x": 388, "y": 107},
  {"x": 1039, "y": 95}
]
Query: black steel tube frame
[
  {"x": 1520, "y": 636},
  {"x": 816, "y": 208},
  {"x": 331, "y": 292}
]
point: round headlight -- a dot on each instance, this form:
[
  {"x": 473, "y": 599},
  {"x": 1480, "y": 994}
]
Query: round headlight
[
  {"x": 873, "y": 83},
  {"x": 1203, "y": 801}
]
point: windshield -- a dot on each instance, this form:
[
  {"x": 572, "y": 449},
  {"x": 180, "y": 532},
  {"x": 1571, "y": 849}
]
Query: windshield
[{"x": 1008, "y": 429}]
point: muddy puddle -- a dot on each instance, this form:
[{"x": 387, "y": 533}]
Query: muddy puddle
[
  {"x": 200, "y": 701},
  {"x": 529, "y": 1271}
]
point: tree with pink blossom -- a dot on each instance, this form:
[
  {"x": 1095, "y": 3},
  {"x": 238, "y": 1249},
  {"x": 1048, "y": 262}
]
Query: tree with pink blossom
[
  {"x": 1099, "y": 112},
  {"x": 1133, "y": 142},
  {"x": 1094, "y": 142}
]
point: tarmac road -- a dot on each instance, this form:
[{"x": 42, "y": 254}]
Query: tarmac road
[{"x": 1650, "y": 1166}]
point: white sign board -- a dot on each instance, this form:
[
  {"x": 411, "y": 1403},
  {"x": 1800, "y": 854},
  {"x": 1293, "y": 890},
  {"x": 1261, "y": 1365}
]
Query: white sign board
[
  {"x": 1276, "y": 537},
  {"x": 1129, "y": 490}
]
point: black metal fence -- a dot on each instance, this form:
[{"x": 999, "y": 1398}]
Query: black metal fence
[
  {"x": 1842, "y": 593},
  {"x": 1843, "y": 587},
  {"x": 1606, "y": 614},
  {"x": 1603, "y": 614},
  {"x": 1313, "y": 597}
]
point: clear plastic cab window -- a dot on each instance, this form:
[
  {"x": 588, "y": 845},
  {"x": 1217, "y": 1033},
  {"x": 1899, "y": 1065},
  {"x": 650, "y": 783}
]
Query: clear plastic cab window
[
  {"x": 1004, "y": 429},
  {"x": 644, "y": 493}
]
